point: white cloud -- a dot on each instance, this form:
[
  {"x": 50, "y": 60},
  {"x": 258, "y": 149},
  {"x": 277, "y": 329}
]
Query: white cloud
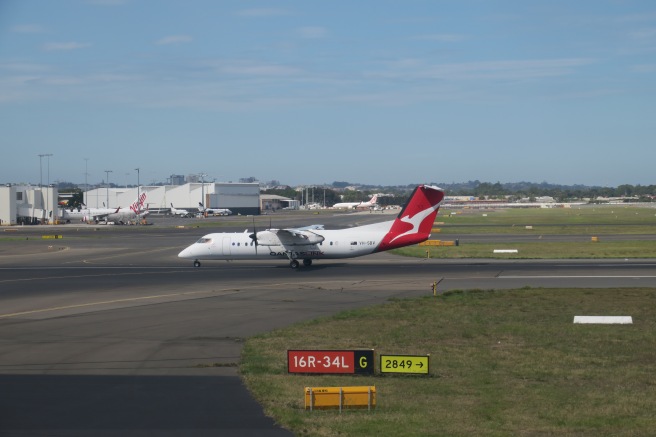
[
  {"x": 440, "y": 37},
  {"x": 312, "y": 32},
  {"x": 253, "y": 68},
  {"x": 645, "y": 33},
  {"x": 107, "y": 2},
  {"x": 28, "y": 28},
  {"x": 514, "y": 69},
  {"x": 23, "y": 67},
  {"x": 262, "y": 12},
  {"x": 644, "y": 68},
  {"x": 175, "y": 39},
  {"x": 64, "y": 46}
]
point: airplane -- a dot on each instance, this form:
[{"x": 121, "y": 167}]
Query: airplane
[
  {"x": 135, "y": 212},
  {"x": 180, "y": 212},
  {"x": 213, "y": 211},
  {"x": 412, "y": 225},
  {"x": 352, "y": 205},
  {"x": 116, "y": 215},
  {"x": 87, "y": 214}
]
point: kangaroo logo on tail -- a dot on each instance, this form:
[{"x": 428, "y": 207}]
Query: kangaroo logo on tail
[{"x": 414, "y": 223}]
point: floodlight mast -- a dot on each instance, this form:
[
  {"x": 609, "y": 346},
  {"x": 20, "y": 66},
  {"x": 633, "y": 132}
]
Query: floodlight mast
[
  {"x": 202, "y": 189},
  {"x": 47, "y": 155},
  {"x": 138, "y": 196},
  {"x": 107, "y": 182}
]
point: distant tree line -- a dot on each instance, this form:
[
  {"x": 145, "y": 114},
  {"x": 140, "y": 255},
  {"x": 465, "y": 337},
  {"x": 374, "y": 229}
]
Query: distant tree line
[
  {"x": 560, "y": 193},
  {"x": 396, "y": 195}
]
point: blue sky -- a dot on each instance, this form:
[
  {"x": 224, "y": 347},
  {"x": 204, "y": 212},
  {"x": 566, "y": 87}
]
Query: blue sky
[{"x": 311, "y": 92}]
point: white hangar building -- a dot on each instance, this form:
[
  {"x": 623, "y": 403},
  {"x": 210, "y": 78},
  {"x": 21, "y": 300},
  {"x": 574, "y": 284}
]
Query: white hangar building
[
  {"x": 27, "y": 204},
  {"x": 240, "y": 198}
]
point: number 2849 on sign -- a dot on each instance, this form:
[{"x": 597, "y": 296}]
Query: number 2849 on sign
[{"x": 404, "y": 364}]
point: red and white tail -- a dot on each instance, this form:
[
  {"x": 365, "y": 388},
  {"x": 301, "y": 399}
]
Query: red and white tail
[
  {"x": 415, "y": 221},
  {"x": 373, "y": 200},
  {"x": 137, "y": 206}
]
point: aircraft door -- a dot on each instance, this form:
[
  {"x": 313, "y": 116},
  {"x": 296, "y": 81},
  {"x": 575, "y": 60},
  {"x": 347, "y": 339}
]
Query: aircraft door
[{"x": 226, "y": 245}]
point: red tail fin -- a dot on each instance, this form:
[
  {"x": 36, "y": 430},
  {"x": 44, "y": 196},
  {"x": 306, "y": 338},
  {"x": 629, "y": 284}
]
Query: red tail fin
[{"x": 415, "y": 221}]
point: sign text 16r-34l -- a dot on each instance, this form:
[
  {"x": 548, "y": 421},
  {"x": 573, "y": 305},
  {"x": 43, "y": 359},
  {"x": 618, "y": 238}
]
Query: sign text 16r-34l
[{"x": 330, "y": 361}]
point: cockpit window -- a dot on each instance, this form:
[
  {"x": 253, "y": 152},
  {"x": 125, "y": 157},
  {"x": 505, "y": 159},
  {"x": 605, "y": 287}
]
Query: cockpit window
[{"x": 204, "y": 241}]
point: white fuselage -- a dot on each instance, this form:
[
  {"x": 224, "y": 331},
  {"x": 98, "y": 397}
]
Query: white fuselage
[
  {"x": 337, "y": 244},
  {"x": 86, "y": 214},
  {"x": 180, "y": 212},
  {"x": 124, "y": 215}
]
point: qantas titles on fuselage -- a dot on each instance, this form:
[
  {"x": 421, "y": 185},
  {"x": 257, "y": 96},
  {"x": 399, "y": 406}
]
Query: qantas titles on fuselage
[{"x": 413, "y": 225}]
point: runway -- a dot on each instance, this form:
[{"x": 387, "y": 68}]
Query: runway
[{"x": 111, "y": 333}]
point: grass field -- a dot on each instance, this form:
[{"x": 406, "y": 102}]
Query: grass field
[
  {"x": 587, "y": 220},
  {"x": 502, "y": 363},
  {"x": 538, "y": 250},
  {"x": 582, "y": 221}
]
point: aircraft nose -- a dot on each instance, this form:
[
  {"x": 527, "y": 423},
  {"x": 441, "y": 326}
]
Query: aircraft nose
[{"x": 186, "y": 253}]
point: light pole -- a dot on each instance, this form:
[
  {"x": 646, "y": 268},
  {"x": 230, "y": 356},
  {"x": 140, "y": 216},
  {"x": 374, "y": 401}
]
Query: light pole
[
  {"x": 41, "y": 169},
  {"x": 41, "y": 155},
  {"x": 107, "y": 182},
  {"x": 48, "y": 212},
  {"x": 49, "y": 155},
  {"x": 202, "y": 188},
  {"x": 138, "y": 196},
  {"x": 86, "y": 174}
]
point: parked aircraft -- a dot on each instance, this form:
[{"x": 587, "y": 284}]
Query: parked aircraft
[
  {"x": 180, "y": 212},
  {"x": 87, "y": 214},
  {"x": 126, "y": 215},
  {"x": 213, "y": 211},
  {"x": 352, "y": 205},
  {"x": 116, "y": 215},
  {"x": 413, "y": 225}
]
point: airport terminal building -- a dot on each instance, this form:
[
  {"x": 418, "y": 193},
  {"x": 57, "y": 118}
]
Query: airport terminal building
[
  {"x": 240, "y": 198},
  {"x": 28, "y": 204}
]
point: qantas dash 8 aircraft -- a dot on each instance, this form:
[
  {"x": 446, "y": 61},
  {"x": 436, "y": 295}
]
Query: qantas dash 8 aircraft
[{"x": 413, "y": 225}]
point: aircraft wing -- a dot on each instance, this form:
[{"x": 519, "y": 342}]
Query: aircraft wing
[
  {"x": 97, "y": 215},
  {"x": 310, "y": 228},
  {"x": 289, "y": 237}
]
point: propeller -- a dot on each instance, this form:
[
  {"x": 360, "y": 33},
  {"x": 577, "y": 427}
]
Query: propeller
[{"x": 253, "y": 236}]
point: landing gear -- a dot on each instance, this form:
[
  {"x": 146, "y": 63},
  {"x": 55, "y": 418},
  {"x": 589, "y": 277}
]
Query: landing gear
[
  {"x": 196, "y": 263},
  {"x": 294, "y": 264}
]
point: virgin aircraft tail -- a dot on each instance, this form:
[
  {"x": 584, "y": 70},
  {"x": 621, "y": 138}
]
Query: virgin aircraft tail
[
  {"x": 415, "y": 221},
  {"x": 372, "y": 201},
  {"x": 138, "y": 205}
]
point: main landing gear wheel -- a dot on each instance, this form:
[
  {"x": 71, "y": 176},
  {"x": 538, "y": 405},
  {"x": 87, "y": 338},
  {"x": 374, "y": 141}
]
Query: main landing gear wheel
[
  {"x": 196, "y": 263},
  {"x": 307, "y": 262},
  {"x": 294, "y": 264}
]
